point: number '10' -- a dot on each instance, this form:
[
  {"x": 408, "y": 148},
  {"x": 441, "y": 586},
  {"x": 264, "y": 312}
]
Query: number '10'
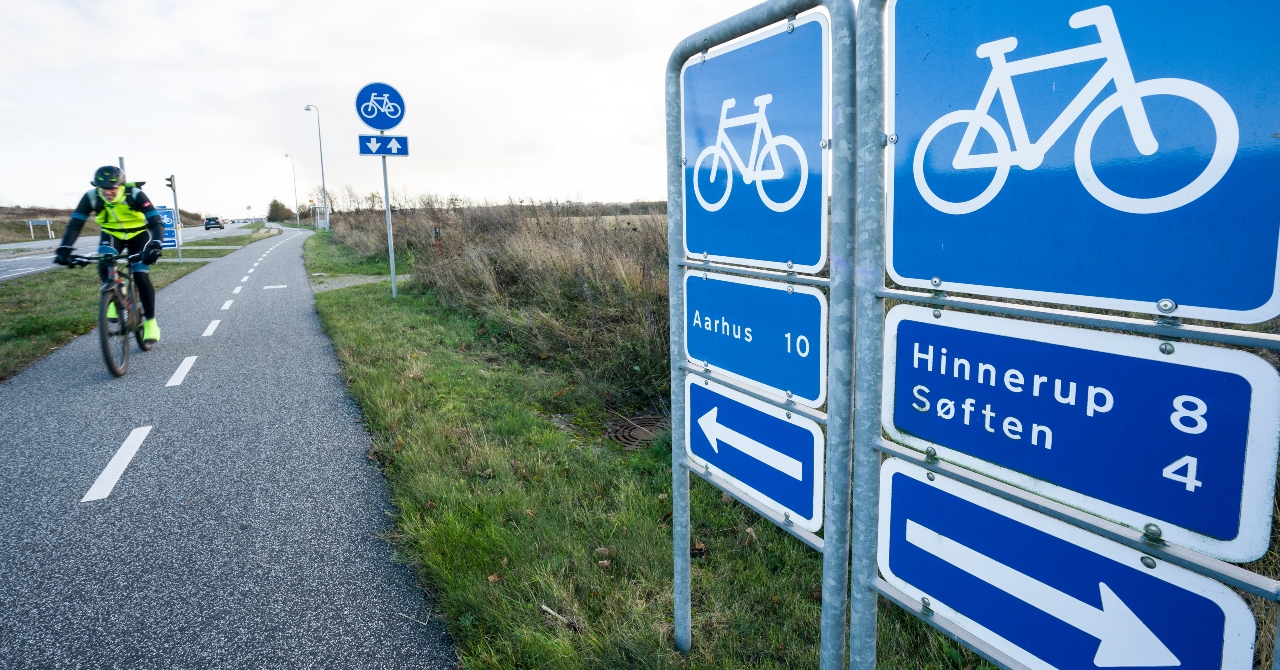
[{"x": 802, "y": 345}]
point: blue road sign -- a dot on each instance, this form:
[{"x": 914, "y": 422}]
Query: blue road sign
[
  {"x": 170, "y": 240},
  {"x": 384, "y": 145},
  {"x": 1046, "y": 593},
  {"x": 380, "y": 106},
  {"x": 773, "y": 455},
  {"x": 756, "y": 118},
  {"x": 1102, "y": 155},
  {"x": 767, "y": 334},
  {"x": 1104, "y": 422}
]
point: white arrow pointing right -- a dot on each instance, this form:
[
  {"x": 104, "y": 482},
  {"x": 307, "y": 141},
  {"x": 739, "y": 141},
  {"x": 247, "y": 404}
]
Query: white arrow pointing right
[
  {"x": 1125, "y": 641},
  {"x": 768, "y": 455},
  {"x": 394, "y": 146},
  {"x": 373, "y": 144}
]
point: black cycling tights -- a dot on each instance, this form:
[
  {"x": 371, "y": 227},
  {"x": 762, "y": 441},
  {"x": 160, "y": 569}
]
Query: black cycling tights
[{"x": 141, "y": 279}]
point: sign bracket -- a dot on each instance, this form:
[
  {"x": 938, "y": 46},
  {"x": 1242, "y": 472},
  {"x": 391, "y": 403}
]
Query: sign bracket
[{"x": 942, "y": 625}]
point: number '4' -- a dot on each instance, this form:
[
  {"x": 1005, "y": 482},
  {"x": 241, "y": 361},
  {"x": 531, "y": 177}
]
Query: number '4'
[{"x": 1189, "y": 462}]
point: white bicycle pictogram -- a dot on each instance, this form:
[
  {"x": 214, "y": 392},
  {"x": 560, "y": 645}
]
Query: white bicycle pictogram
[
  {"x": 753, "y": 169},
  {"x": 377, "y": 104},
  {"x": 1128, "y": 96}
]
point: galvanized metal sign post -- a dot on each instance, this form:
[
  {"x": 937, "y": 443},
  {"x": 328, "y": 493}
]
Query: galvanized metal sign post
[
  {"x": 381, "y": 107},
  {"x": 1059, "y": 497},
  {"x": 760, "y": 203}
]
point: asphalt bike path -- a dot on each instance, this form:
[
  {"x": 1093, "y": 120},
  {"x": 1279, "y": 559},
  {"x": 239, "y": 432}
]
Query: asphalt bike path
[
  {"x": 21, "y": 266},
  {"x": 244, "y": 531}
]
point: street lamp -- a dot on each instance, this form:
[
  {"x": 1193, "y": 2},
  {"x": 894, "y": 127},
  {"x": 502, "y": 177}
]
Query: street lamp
[
  {"x": 324, "y": 190},
  {"x": 297, "y": 218}
]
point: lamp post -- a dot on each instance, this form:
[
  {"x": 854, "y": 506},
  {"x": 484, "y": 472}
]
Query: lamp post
[
  {"x": 297, "y": 218},
  {"x": 324, "y": 190}
]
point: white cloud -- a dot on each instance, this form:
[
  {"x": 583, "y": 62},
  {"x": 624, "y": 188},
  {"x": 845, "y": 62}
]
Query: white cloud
[{"x": 504, "y": 98}]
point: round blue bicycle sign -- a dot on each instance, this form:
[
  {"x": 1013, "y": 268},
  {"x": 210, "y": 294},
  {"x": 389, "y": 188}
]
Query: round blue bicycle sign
[{"x": 380, "y": 106}]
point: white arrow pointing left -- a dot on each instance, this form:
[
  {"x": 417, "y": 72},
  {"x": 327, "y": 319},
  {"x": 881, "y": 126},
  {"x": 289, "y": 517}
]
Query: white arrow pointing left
[
  {"x": 373, "y": 144},
  {"x": 771, "y": 457},
  {"x": 394, "y": 146},
  {"x": 1126, "y": 642}
]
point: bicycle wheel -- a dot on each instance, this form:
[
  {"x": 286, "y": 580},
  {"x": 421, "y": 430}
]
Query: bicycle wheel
[
  {"x": 392, "y": 110},
  {"x": 1227, "y": 142},
  {"x": 368, "y": 110},
  {"x": 114, "y": 333},
  {"x": 713, "y": 150},
  {"x": 771, "y": 150},
  {"x": 1001, "y": 162},
  {"x": 135, "y": 321}
]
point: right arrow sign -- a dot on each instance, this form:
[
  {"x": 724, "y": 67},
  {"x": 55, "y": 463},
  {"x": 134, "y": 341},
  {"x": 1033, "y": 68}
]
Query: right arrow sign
[{"x": 1046, "y": 593}]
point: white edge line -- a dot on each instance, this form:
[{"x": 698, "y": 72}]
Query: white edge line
[{"x": 106, "y": 481}]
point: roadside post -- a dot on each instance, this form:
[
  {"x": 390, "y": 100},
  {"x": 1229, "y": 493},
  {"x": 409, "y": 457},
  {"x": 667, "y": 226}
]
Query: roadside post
[
  {"x": 172, "y": 182},
  {"x": 381, "y": 107},
  {"x": 760, "y": 141},
  {"x": 1047, "y": 486},
  {"x": 47, "y": 223}
]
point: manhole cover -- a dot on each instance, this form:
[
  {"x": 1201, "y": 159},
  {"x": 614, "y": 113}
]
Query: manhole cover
[{"x": 637, "y": 431}]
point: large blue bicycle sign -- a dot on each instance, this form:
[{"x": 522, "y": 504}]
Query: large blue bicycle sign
[
  {"x": 755, "y": 122},
  {"x": 1111, "y": 156},
  {"x": 380, "y": 106}
]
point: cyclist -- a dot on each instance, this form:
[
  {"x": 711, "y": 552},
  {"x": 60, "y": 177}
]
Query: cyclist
[{"x": 129, "y": 222}]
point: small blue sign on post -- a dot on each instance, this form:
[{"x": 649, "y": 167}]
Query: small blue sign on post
[
  {"x": 167, "y": 218},
  {"x": 775, "y": 456},
  {"x": 384, "y": 145},
  {"x": 756, "y": 120},
  {"x": 1047, "y": 593},
  {"x": 380, "y": 106},
  {"x": 769, "y": 335},
  {"x": 1114, "y": 156},
  {"x": 1188, "y": 433}
]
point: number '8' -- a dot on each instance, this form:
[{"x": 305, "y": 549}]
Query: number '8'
[{"x": 1192, "y": 408}]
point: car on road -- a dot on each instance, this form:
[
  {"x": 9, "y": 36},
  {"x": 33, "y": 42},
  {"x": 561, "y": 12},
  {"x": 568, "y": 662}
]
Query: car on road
[{"x": 214, "y": 222}]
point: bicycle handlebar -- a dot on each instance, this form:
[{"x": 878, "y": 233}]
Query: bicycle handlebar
[{"x": 78, "y": 261}]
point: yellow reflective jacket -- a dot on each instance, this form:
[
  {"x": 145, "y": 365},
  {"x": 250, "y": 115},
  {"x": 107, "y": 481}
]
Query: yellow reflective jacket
[{"x": 117, "y": 217}]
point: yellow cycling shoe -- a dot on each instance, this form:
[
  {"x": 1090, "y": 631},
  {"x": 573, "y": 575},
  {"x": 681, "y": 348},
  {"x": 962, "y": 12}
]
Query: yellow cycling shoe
[
  {"x": 111, "y": 311},
  {"x": 150, "y": 331}
]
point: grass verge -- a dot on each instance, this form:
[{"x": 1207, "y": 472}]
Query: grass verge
[
  {"x": 232, "y": 240},
  {"x": 44, "y": 311},
  {"x": 197, "y": 252},
  {"x": 509, "y": 508},
  {"x": 324, "y": 254}
]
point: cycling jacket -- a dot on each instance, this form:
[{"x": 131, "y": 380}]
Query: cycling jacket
[{"x": 126, "y": 216}]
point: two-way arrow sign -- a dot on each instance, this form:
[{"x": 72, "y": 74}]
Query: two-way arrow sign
[
  {"x": 384, "y": 145},
  {"x": 1046, "y": 593},
  {"x": 766, "y": 452}
]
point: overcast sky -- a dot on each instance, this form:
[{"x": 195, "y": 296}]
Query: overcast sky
[{"x": 505, "y": 98}]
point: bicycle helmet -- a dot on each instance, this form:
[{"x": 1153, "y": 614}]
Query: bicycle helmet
[{"x": 108, "y": 176}]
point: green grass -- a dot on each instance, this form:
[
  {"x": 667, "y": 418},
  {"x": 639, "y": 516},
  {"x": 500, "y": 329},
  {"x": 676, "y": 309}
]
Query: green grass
[
  {"x": 323, "y": 254},
  {"x": 231, "y": 240},
  {"x": 197, "y": 252},
  {"x": 503, "y": 512},
  {"x": 44, "y": 311}
]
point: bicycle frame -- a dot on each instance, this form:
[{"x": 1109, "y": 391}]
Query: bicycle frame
[
  {"x": 749, "y": 173},
  {"x": 1027, "y": 154}
]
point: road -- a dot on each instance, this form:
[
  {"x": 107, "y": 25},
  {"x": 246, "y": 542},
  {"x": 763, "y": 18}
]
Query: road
[
  {"x": 237, "y": 520},
  {"x": 22, "y": 266}
]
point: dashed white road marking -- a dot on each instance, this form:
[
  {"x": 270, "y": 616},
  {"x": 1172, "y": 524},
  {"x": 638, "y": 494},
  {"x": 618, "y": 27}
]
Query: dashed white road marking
[
  {"x": 227, "y": 304},
  {"x": 250, "y": 269},
  {"x": 244, "y": 279},
  {"x": 181, "y": 373},
  {"x": 255, "y": 265},
  {"x": 213, "y": 325},
  {"x": 277, "y": 286},
  {"x": 237, "y": 289},
  {"x": 106, "y": 481}
]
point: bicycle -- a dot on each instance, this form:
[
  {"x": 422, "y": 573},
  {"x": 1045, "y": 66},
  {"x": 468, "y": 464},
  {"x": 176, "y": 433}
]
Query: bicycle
[
  {"x": 114, "y": 333},
  {"x": 391, "y": 109},
  {"x": 753, "y": 169},
  {"x": 1028, "y": 155}
]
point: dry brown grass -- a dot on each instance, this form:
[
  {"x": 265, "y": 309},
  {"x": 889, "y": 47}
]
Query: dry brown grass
[{"x": 583, "y": 286}]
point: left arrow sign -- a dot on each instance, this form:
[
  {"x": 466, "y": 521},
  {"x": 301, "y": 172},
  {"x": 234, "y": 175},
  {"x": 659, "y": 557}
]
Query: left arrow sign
[{"x": 772, "y": 455}]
